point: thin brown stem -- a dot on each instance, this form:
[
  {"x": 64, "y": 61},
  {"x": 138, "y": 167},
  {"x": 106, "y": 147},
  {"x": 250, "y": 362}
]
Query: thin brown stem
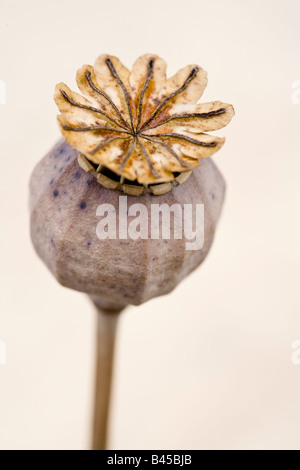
[
  {"x": 106, "y": 336},
  {"x": 94, "y": 128},
  {"x": 192, "y": 75},
  {"x": 90, "y": 108},
  {"x": 190, "y": 115},
  {"x": 186, "y": 138},
  {"x": 106, "y": 142},
  {"x": 100, "y": 92},
  {"x": 146, "y": 84},
  {"x": 127, "y": 156},
  {"x": 120, "y": 82},
  {"x": 170, "y": 150},
  {"x": 147, "y": 157}
]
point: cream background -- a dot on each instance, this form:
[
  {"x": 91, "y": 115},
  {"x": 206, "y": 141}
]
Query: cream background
[{"x": 209, "y": 366}]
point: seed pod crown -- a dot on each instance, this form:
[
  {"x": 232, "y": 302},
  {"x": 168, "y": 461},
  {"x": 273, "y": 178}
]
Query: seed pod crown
[{"x": 139, "y": 127}]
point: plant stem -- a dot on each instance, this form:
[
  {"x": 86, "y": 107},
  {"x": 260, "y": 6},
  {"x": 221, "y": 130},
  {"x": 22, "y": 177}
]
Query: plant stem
[{"x": 106, "y": 335}]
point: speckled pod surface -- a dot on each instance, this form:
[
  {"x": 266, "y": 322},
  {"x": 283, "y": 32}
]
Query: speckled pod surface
[{"x": 114, "y": 272}]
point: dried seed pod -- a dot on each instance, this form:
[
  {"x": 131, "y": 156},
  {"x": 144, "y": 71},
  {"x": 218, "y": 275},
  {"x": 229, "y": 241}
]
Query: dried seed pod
[
  {"x": 114, "y": 272},
  {"x": 140, "y": 126},
  {"x": 145, "y": 135}
]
